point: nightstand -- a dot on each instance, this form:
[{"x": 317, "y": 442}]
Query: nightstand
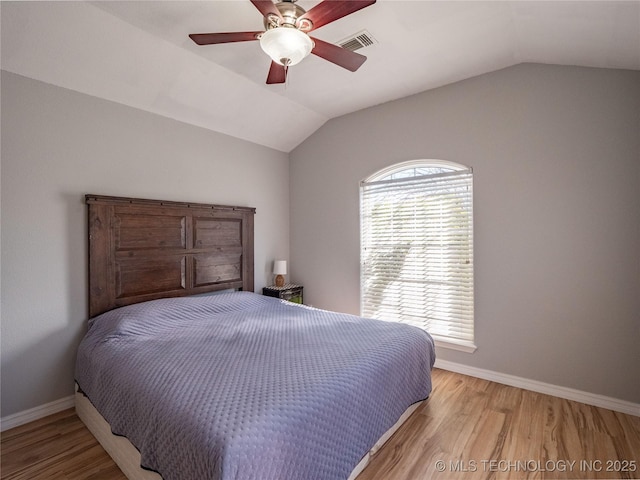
[{"x": 288, "y": 291}]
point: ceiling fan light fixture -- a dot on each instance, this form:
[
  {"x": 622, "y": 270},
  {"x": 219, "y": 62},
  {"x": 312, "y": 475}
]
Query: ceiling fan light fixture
[{"x": 286, "y": 45}]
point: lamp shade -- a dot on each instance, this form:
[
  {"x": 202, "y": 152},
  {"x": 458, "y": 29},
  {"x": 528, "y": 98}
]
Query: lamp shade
[
  {"x": 286, "y": 45},
  {"x": 280, "y": 267}
]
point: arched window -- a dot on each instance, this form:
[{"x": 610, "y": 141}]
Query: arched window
[{"x": 416, "y": 248}]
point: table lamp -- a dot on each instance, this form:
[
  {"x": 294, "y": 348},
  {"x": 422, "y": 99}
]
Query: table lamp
[{"x": 279, "y": 270}]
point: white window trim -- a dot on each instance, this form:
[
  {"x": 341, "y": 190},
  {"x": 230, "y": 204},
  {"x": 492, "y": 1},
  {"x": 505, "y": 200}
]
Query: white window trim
[
  {"x": 442, "y": 342},
  {"x": 451, "y": 344},
  {"x": 398, "y": 167}
]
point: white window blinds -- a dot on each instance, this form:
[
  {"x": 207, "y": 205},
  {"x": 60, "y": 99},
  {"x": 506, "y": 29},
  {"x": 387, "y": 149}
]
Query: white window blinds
[{"x": 417, "y": 252}]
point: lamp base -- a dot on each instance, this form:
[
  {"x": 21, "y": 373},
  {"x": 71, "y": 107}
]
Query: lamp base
[{"x": 279, "y": 281}]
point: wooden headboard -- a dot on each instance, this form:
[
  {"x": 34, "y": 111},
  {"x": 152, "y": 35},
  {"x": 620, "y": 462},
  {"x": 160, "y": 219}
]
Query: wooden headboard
[{"x": 142, "y": 250}]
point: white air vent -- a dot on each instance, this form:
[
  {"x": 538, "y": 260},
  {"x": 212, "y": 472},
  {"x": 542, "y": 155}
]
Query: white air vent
[{"x": 359, "y": 40}]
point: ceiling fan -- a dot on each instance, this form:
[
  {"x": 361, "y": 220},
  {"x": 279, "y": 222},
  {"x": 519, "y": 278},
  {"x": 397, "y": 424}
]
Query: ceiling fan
[{"x": 286, "y": 38}]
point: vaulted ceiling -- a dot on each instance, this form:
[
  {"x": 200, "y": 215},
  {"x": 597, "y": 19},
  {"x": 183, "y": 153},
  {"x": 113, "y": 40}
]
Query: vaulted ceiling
[{"x": 138, "y": 53}]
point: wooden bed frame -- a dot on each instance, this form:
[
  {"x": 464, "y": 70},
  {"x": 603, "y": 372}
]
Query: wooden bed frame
[{"x": 142, "y": 250}]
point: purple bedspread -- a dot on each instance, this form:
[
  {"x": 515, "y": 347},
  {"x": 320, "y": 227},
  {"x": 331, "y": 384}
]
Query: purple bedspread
[{"x": 242, "y": 386}]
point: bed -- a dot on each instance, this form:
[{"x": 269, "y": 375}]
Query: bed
[{"x": 186, "y": 373}]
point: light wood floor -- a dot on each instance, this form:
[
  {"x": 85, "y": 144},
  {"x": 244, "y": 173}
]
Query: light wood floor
[{"x": 469, "y": 429}]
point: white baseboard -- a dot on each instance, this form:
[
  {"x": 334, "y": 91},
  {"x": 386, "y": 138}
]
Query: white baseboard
[
  {"x": 36, "y": 413},
  {"x": 596, "y": 400}
]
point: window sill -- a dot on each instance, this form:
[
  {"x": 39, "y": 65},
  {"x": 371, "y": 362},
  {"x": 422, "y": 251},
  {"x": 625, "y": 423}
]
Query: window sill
[{"x": 459, "y": 345}]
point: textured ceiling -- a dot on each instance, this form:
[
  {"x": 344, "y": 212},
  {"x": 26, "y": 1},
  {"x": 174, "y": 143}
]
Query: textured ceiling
[{"x": 138, "y": 54}]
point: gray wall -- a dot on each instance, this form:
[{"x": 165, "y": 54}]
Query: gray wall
[
  {"x": 58, "y": 145},
  {"x": 556, "y": 159},
  {"x": 556, "y": 156}
]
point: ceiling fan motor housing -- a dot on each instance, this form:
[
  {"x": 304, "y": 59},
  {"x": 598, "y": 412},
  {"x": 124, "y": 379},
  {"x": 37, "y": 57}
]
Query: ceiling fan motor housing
[{"x": 290, "y": 13}]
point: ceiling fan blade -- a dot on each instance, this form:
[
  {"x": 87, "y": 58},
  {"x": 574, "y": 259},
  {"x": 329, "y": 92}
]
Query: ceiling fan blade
[
  {"x": 266, "y": 7},
  {"x": 340, "y": 56},
  {"x": 331, "y": 10},
  {"x": 277, "y": 73},
  {"x": 212, "y": 38}
]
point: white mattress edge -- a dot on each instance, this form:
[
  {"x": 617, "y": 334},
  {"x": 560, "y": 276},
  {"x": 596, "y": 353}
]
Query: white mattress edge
[
  {"x": 121, "y": 450},
  {"x": 382, "y": 440}
]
